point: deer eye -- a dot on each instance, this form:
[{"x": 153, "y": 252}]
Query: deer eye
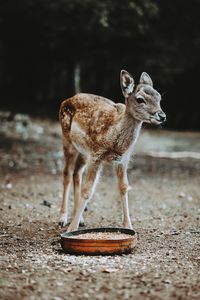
[{"x": 140, "y": 100}]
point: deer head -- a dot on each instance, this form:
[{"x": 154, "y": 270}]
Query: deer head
[{"x": 142, "y": 100}]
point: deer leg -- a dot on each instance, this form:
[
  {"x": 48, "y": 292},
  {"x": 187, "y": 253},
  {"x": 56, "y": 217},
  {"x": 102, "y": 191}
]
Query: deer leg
[
  {"x": 87, "y": 191},
  {"x": 70, "y": 158},
  {"x": 77, "y": 180},
  {"x": 123, "y": 188}
]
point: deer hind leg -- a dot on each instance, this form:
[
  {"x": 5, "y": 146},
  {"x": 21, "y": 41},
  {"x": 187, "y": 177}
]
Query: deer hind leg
[
  {"x": 77, "y": 180},
  {"x": 92, "y": 170},
  {"x": 123, "y": 188},
  {"x": 70, "y": 155}
]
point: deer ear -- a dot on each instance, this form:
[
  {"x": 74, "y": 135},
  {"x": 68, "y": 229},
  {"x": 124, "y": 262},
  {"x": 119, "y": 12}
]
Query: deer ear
[
  {"x": 127, "y": 83},
  {"x": 146, "y": 79}
]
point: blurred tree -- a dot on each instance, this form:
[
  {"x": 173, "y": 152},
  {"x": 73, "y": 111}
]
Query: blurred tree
[{"x": 48, "y": 49}]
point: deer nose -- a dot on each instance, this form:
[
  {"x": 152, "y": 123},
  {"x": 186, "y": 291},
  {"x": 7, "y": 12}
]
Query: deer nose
[{"x": 162, "y": 116}]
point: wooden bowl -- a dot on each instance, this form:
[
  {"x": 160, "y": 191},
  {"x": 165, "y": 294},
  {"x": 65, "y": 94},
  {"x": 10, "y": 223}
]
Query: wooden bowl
[{"x": 73, "y": 245}]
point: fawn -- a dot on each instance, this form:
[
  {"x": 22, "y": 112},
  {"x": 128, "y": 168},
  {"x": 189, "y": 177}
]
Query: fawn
[{"x": 96, "y": 130}]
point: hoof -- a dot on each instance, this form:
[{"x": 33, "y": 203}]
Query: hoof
[
  {"x": 61, "y": 224},
  {"x": 71, "y": 228},
  {"x": 82, "y": 222},
  {"x": 63, "y": 220}
]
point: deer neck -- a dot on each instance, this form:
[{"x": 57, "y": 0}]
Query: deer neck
[{"x": 129, "y": 129}]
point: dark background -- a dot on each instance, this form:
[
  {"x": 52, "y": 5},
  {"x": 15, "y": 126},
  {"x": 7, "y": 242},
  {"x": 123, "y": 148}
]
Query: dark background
[{"x": 51, "y": 49}]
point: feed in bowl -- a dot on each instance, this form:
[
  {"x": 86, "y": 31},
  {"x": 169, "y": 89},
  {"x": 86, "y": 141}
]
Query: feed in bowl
[{"x": 102, "y": 236}]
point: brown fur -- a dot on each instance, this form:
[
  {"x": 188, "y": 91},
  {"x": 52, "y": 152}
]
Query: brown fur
[{"x": 95, "y": 130}]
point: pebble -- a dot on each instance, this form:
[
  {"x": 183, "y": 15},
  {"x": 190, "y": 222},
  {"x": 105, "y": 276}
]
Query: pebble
[
  {"x": 86, "y": 295},
  {"x": 181, "y": 195}
]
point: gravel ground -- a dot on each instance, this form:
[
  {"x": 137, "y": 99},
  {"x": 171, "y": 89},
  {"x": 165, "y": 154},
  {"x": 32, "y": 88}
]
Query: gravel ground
[{"x": 165, "y": 211}]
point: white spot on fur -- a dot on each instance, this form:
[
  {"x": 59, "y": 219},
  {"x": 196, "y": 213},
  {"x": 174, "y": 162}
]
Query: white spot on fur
[
  {"x": 75, "y": 128},
  {"x": 78, "y": 136}
]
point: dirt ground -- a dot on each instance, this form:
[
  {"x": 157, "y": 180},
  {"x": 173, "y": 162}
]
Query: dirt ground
[{"x": 165, "y": 212}]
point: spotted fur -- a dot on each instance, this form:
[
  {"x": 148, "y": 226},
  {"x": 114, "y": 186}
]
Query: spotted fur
[{"x": 96, "y": 130}]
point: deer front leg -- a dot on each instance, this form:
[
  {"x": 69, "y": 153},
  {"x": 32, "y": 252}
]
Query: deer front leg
[
  {"x": 86, "y": 192},
  {"x": 123, "y": 188}
]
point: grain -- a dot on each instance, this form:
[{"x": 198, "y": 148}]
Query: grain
[{"x": 102, "y": 236}]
